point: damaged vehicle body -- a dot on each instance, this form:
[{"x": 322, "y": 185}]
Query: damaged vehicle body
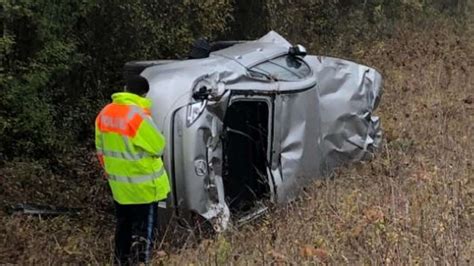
[{"x": 255, "y": 121}]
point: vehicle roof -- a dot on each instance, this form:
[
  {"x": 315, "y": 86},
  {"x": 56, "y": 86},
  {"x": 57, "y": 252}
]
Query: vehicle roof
[
  {"x": 253, "y": 52},
  {"x": 171, "y": 83},
  {"x": 245, "y": 54}
]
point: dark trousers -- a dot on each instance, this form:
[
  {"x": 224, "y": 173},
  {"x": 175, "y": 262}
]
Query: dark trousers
[{"x": 135, "y": 232}]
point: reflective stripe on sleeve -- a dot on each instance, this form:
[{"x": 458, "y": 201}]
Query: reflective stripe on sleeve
[
  {"x": 133, "y": 111},
  {"x": 127, "y": 143},
  {"x": 122, "y": 155},
  {"x": 137, "y": 110},
  {"x": 125, "y": 155},
  {"x": 137, "y": 179}
]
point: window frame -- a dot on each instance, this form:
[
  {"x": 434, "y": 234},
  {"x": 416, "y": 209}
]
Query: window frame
[{"x": 269, "y": 76}]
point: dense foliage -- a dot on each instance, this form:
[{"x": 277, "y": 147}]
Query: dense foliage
[{"x": 60, "y": 60}]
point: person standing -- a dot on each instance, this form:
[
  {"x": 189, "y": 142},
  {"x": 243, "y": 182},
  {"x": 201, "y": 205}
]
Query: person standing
[{"x": 129, "y": 147}]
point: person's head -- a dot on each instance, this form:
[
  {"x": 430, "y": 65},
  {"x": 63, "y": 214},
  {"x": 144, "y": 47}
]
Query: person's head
[{"x": 137, "y": 84}]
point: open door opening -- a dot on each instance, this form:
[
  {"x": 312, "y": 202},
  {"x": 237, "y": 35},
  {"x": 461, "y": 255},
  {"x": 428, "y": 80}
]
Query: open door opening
[{"x": 245, "y": 156}]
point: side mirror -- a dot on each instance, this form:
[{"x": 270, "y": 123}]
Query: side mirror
[
  {"x": 297, "y": 50},
  {"x": 201, "y": 94}
]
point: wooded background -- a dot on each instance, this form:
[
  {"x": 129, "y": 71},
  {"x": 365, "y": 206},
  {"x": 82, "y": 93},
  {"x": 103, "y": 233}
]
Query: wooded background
[
  {"x": 412, "y": 204},
  {"x": 62, "y": 59}
]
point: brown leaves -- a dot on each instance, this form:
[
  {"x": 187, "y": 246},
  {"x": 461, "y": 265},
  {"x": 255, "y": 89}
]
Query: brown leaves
[
  {"x": 278, "y": 257},
  {"x": 422, "y": 175},
  {"x": 312, "y": 252},
  {"x": 357, "y": 230},
  {"x": 306, "y": 252},
  {"x": 373, "y": 215}
]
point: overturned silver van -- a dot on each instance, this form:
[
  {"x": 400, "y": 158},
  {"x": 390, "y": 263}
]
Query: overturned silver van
[{"x": 256, "y": 121}]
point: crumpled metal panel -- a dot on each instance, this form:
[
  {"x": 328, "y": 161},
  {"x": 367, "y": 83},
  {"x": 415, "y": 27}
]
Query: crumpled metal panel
[
  {"x": 254, "y": 52},
  {"x": 348, "y": 95},
  {"x": 298, "y": 132},
  {"x": 318, "y": 123},
  {"x": 327, "y": 125}
]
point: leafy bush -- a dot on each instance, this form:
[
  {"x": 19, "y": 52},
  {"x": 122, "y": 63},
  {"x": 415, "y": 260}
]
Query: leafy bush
[{"x": 62, "y": 60}]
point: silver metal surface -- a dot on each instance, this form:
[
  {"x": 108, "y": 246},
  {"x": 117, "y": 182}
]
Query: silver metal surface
[{"x": 317, "y": 123}]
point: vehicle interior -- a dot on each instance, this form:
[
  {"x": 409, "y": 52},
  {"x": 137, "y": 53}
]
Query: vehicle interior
[{"x": 245, "y": 156}]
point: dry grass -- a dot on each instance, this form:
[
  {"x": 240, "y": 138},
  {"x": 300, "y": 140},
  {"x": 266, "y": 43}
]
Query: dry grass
[{"x": 412, "y": 204}]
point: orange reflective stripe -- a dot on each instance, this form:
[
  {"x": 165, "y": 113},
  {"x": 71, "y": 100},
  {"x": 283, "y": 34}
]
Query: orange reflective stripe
[
  {"x": 116, "y": 110},
  {"x": 134, "y": 124},
  {"x": 121, "y": 119}
]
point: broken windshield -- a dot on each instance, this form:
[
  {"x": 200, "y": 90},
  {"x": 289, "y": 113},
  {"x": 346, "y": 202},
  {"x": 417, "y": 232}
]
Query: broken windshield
[{"x": 284, "y": 68}]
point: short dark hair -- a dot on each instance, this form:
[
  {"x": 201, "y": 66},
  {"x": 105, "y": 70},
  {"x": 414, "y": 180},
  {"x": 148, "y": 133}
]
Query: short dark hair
[{"x": 137, "y": 84}]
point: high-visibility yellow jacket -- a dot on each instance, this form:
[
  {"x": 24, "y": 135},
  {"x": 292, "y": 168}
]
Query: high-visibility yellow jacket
[{"x": 129, "y": 147}]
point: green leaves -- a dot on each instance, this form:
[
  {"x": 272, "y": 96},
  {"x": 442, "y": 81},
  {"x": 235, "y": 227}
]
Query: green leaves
[{"x": 61, "y": 60}]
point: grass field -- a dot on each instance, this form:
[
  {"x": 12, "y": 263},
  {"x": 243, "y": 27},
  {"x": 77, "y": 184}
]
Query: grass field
[{"x": 414, "y": 203}]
